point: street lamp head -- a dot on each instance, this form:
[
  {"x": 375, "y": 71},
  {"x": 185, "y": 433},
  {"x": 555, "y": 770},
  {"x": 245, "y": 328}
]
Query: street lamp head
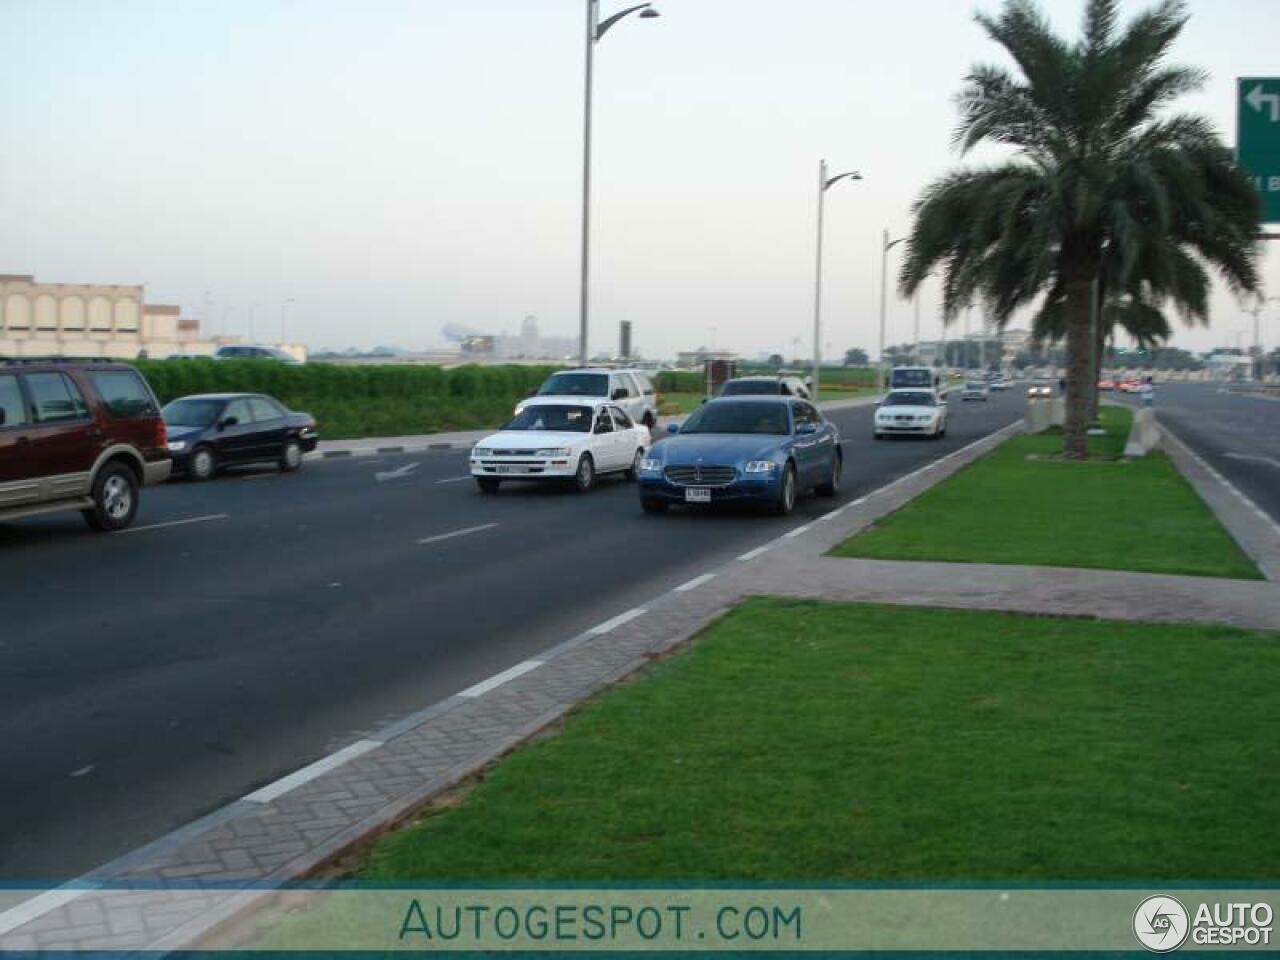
[{"x": 649, "y": 13}]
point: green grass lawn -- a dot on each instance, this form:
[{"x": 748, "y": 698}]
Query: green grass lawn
[
  {"x": 1104, "y": 514},
  {"x": 805, "y": 741}
]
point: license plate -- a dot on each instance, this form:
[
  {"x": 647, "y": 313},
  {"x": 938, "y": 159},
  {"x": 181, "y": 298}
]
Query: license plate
[
  {"x": 508, "y": 470},
  {"x": 697, "y": 495}
]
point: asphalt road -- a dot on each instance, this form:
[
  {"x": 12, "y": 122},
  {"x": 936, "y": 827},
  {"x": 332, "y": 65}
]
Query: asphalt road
[
  {"x": 1237, "y": 434},
  {"x": 249, "y": 625}
]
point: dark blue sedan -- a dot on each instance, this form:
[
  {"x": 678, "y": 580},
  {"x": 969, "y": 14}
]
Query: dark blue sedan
[{"x": 762, "y": 450}]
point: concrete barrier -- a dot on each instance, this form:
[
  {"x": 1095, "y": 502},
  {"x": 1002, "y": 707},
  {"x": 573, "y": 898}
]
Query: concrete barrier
[
  {"x": 1144, "y": 435},
  {"x": 1045, "y": 412}
]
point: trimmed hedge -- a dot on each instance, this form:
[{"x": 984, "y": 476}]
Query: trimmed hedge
[{"x": 361, "y": 401}]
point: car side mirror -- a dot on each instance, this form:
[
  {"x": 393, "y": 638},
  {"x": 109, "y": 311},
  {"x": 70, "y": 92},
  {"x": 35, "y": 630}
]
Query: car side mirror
[
  {"x": 228, "y": 422},
  {"x": 806, "y": 429},
  {"x": 620, "y": 394},
  {"x": 673, "y": 428}
]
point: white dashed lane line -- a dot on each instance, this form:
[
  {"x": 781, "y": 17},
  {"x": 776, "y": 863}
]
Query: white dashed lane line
[
  {"x": 695, "y": 583},
  {"x": 465, "y": 531},
  {"x": 178, "y": 523}
]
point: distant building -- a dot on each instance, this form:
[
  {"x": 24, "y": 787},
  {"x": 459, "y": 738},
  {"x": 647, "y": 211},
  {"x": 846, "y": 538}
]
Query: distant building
[
  {"x": 95, "y": 320},
  {"x": 695, "y": 359}
]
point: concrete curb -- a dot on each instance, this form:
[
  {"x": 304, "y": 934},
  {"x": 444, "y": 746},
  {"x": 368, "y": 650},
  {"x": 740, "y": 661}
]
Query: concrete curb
[
  {"x": 1256, "y": 533},
  {"x": 282, "y": 832}
]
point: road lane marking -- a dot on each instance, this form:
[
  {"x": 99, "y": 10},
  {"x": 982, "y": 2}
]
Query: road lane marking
[
  {"x": 308, "y": 773},
  {"x": 399, "y": 473},
  {"x": 498, "y": 679},
  {"x": 458, "y": 533},
  {"x": 1253, "y": 458},
  {"x": 752, "y": 554},
  {"x": 455, "y": 479},
  {"x": 695, "y": 583},
  {"x": 613, "y": 624},
  {"x": 178, "y": 523},
  {"x": 39, "y": 905},
  {"x": 797, "y": 531}
]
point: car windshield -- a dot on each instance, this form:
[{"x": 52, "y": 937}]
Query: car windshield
[
  {"x": 746, "y": 388},
  {"x": 575, "y": 385},
  {"x": 552, "y": 418},
  {"x": 191, "y": 412},
  {"x": 909, "y": 398},
  {"x": 912, "y": 378},
  {"x": 769, "y": 418}
]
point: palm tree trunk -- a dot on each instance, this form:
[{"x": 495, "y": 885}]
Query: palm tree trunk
[
  {"x": 1100, "y": 351},
  {"x": 1075, "y": 440}
]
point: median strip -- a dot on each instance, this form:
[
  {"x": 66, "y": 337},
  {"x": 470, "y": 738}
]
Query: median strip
[{"x": 458, "y": 533}]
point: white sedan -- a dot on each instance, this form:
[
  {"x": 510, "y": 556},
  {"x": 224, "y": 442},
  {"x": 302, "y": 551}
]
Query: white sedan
[
  {"x": 918, "y": 413},
  {"x": 561, "y": 438}
]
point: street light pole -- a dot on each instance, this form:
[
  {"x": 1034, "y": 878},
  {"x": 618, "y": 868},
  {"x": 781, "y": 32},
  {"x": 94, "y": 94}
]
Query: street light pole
[
  {"x": 824, "y": 184},
  {"x": 885, "y": 246},
  {"x": 595, "y": 30}
]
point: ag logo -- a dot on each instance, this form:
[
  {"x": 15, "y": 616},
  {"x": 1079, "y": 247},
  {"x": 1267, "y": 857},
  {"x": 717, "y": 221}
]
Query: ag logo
[{"x": 1161, "y": 923}]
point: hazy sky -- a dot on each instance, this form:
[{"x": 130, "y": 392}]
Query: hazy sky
[{"x": 395, "y": 165}]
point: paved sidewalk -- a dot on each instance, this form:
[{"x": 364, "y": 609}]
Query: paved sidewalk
[
  {"x": 465, "y": 439},
  {"x": 284, "y": 830}
]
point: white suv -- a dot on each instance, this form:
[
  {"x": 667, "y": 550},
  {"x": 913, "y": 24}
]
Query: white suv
[{"x": 629, "y": 389}]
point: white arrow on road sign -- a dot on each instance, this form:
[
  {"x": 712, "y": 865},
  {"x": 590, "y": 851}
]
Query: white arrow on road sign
[
  {"x": 1257, "y": 99},
  {"x": 398, "y": 474}
]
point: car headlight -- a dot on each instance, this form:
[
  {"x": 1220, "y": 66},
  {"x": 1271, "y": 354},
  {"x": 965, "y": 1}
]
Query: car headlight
[
  {"x": 552, "y": 452},
  {"x": 650, "y": 465},
  {"x": 761, "y": 466},
  {"x": 177, "y": 446},
  {"x": 482, "y": 452},
  {"x": 924, "y": 418}
]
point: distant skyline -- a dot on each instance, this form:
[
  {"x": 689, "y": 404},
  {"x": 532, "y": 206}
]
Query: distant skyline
[{"x": 392, "y": 166}]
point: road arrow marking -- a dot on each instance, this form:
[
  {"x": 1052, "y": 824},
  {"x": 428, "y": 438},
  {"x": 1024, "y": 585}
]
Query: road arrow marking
[
  {"x": 397, "y": 474},
  {"x": 1257, "y": 99}
]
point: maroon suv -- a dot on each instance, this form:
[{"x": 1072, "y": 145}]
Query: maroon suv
[{"x": 81, "y": 436}]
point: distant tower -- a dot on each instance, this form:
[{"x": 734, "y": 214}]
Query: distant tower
[
  {"x": 529, "y": 336},
  {"x": 624, "y": 347}
]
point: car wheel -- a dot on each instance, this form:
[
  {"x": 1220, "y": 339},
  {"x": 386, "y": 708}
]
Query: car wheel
[
  {"x": 634, "y": 470},
  {"x": 115, "y": 499},
  {"x": 202, "y": 465},
  {"x": 654, "y": 507},
  {"x": 585, "y": 476},
  {"x": 787, "y": 495},
  {"x": 488, "y": 484},
  {"x": 291, "y": 456},
  {"x": 832, "y": 486}
]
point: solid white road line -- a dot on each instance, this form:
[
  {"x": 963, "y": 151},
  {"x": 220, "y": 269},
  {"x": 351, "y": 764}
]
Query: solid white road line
[
  {"x": 498, "y": 679},
  {"x": 617, "y": 621},
  {"x": 178, "y": 523},
  {"x": 308, "y": 773},
  {"x": 752, "y": 554},
  {"x": 695, "y": 583},
  {"x": 458, "y": 533}
]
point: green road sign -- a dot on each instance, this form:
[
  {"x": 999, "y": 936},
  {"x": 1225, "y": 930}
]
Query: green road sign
[{"x": 1258, "y": 138}]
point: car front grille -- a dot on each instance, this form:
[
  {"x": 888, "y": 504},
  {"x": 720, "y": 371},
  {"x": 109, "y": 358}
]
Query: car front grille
[
  {"x": 701, "y": 476},
  {"x": 514, "y": 453}
]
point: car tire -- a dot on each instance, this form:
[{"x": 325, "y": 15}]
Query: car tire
[
  {"x": 115, "y": 499},
  {"x": 291, "y": 457},
  {"x": 488, "y": 484},
  {"x": 634, "y": 470},
  {"x": 584, "y": 478},
  {"x": 654, "y": 507},
  {"x": 202, "y": 464},
  {"x": 787, "y": 492},
  {"x": 832, "y": 486}
]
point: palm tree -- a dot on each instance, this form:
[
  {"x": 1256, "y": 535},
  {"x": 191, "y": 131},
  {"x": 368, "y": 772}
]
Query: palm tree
[{"x": 1105, "y": 194}]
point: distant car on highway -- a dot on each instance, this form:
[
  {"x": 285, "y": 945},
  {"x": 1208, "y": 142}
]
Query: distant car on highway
[
  {"x": 914, "y": 413},
  {"x": 560, "y": 438},
  {"x": 976, "y": 390},
  {"x": 214, "y": 430},
  {"x": 1039, "y": 390},
  {"x": 998, "y": 382},
  {"x": 83, "y": 436},
  {"x": 248, "y": 352},
  {"x": 631, "y": 390},
  {"x": 1106, "y": 384},
  {"x": 766, "y": 386},
  {"x": 754, "y": 449}
]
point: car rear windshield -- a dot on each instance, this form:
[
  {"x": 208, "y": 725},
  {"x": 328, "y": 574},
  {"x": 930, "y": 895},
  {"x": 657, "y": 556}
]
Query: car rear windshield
[
  {"x": 909, "y": 398},
  {"x": 553, "y": 418},
  {"x": 575, "y": 385},
  {"x": 750, "y": 388},
  {"x": 123, "y": 393},
  {"x": 911, "y": 378},
  {"x": 191, "y": 412},
  {"x": 769, "y": 418}
]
